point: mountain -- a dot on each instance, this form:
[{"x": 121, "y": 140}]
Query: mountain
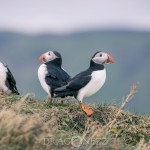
[{"x": 129, "y": 48}]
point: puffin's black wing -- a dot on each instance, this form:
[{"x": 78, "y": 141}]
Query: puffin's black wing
[
  {"x": 56, "y": 77},
  {"x": 74, "y": 85},
  {"x": 11, "y": 82},
  {"x": 79, "y": 81}
]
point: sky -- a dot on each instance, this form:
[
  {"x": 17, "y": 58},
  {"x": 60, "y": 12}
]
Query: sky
[{"x": 61, "y": 16}]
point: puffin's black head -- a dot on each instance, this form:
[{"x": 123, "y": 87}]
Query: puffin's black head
[
  {"x": 57, "y": 54},
  {"x": 50, "y": 56},
  {"x": 102, "y": 58}
]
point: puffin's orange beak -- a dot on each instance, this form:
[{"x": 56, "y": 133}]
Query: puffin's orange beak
[
  {"x": 42, "y": 58},
  {"x": 110, "y": 59}
]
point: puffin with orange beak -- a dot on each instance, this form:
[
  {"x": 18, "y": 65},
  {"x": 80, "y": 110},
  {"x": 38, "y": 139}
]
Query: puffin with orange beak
[
  {"x": 87, "y": 82},
  {"x": 51, "y": 75},
  {"x": 7, "y": 80}
]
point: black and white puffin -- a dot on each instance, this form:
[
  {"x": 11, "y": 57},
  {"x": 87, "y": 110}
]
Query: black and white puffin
[
  {"x": 7, "y": 81},
  {"x": 87, "y": 82},
  {"x": 51, "y": 75}
]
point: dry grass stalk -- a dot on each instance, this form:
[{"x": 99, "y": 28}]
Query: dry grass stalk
[
  {"x": 104, "y": 131},
  {"x": 143, "y": 146},
  {"x": 126, "y": 100}
]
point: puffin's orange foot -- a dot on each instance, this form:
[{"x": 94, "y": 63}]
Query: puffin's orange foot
[{"x": 86, "y": 109}]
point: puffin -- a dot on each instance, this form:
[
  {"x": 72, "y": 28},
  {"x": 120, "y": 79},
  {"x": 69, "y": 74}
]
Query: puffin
[
  {"x": 7, "y": 81},
  {"x": 51, "y": 74},
  {"x": 87, "y": 82}
]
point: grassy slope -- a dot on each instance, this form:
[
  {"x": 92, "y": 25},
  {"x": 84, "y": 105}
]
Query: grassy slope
[{"x": 26, "y": 123}]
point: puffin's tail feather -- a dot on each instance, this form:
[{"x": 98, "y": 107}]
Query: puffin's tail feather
[
  {"x": 60, "y": 89},
  {"x": 63, "y": 92},
  {"x": 15, "y": 91}
]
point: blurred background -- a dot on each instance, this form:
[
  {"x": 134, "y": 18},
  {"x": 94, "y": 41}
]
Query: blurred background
[{"x": 77, "y": 29}]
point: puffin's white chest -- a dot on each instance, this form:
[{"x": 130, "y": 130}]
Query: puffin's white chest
[
  {"x": 3, "y": 76},
  {"x": 97, "y": 81},
  {"x": 42, "y": 71}
]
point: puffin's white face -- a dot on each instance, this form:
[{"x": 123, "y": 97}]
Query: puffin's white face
[
  {"x": 48, "y": 56},
  {"x": 102, "y": 58}
]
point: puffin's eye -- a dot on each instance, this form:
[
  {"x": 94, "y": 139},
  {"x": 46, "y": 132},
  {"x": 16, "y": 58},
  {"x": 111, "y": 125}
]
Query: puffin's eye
[{"x": 100, "y": 55}]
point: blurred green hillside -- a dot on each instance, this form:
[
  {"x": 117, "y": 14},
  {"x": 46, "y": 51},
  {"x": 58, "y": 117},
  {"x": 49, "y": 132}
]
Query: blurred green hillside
[{"x": 130, "y": 49}]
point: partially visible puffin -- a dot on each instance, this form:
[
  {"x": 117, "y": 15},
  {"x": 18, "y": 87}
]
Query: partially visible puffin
[
  {"x": 51, "y": 75},
  {"x": 7, "y": 81},
  {"x": 87, "y": 82}
]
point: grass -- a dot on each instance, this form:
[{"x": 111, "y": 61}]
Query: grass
[{"x": 27, "y": 123}]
